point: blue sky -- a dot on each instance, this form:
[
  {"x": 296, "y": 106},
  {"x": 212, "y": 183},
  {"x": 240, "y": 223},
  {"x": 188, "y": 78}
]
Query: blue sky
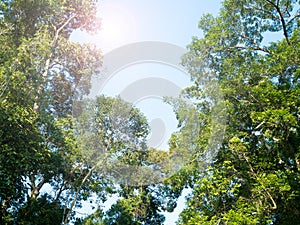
[{"x": 129, "y": 21}]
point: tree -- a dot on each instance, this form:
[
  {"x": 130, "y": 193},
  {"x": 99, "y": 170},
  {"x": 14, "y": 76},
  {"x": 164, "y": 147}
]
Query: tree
[
  {"x": 255, "y": 176},
  {"x": 40, "y": 72},
  {"x": 112, "y": 133}
]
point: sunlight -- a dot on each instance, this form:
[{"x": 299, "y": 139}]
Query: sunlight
[{"x": 118, "y": 26}]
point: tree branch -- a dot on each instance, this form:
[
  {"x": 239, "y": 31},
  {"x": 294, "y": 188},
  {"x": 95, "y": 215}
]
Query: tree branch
[
  {"x": 249, "y": 48},
  {"x": 66, "y": 220},
  {"x": 291, "y": 20},
  {"x": 262, "y": 185},
  {"x": 283, "y": 23},
  {"x": 48, "y": 61},
  {"x": 259, "y": 125}
]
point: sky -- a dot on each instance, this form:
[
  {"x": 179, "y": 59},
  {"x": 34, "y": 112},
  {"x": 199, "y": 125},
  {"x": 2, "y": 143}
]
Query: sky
[{"x": 125, "y": 22}]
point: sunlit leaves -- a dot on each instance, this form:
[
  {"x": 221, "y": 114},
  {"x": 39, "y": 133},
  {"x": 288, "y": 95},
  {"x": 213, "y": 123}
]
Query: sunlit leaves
[
  {"x": 40, "y": 70},
  {"x": 260, "y": 153}
]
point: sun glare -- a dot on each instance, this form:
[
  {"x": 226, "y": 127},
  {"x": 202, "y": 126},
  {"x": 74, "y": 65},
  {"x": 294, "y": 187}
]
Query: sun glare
[{"x": 118, "y": 26}]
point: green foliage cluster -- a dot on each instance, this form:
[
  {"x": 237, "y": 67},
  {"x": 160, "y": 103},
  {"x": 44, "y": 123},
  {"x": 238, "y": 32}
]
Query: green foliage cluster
[
  {"x": 56, "y": 149},
  {"x": 237, "y": 148},
  {"x": 40, "y": 72},
  {"x": 255, "y": 177}
]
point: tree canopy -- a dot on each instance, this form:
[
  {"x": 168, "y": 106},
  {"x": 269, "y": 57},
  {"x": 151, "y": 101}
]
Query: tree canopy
[
  {"x": 255, "y": 178},
  {"x": 40, "y": 71},
  {"x": 237, "y": 147}
]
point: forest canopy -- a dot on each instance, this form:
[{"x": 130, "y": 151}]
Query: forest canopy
[{"x": 52, "y": 159}]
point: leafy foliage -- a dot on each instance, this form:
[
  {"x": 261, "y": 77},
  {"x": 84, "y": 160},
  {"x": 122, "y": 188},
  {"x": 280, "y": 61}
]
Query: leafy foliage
[
  {"x": 58, "y": 148},
  {"x": 255, "y": 178},
  {"x": 40, "y": 71}
]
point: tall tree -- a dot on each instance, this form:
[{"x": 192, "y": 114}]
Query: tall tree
[
  {"x": 40, "y": 73},
  {"x": 113, "y": 135},
  {"x": 255, "y": 176}
]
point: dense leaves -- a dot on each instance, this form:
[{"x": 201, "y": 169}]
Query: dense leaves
[
  {"x": 237, "y": 145},
  {"x": 40, "y": 72},
  {"x": 255, "y": 179}
]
